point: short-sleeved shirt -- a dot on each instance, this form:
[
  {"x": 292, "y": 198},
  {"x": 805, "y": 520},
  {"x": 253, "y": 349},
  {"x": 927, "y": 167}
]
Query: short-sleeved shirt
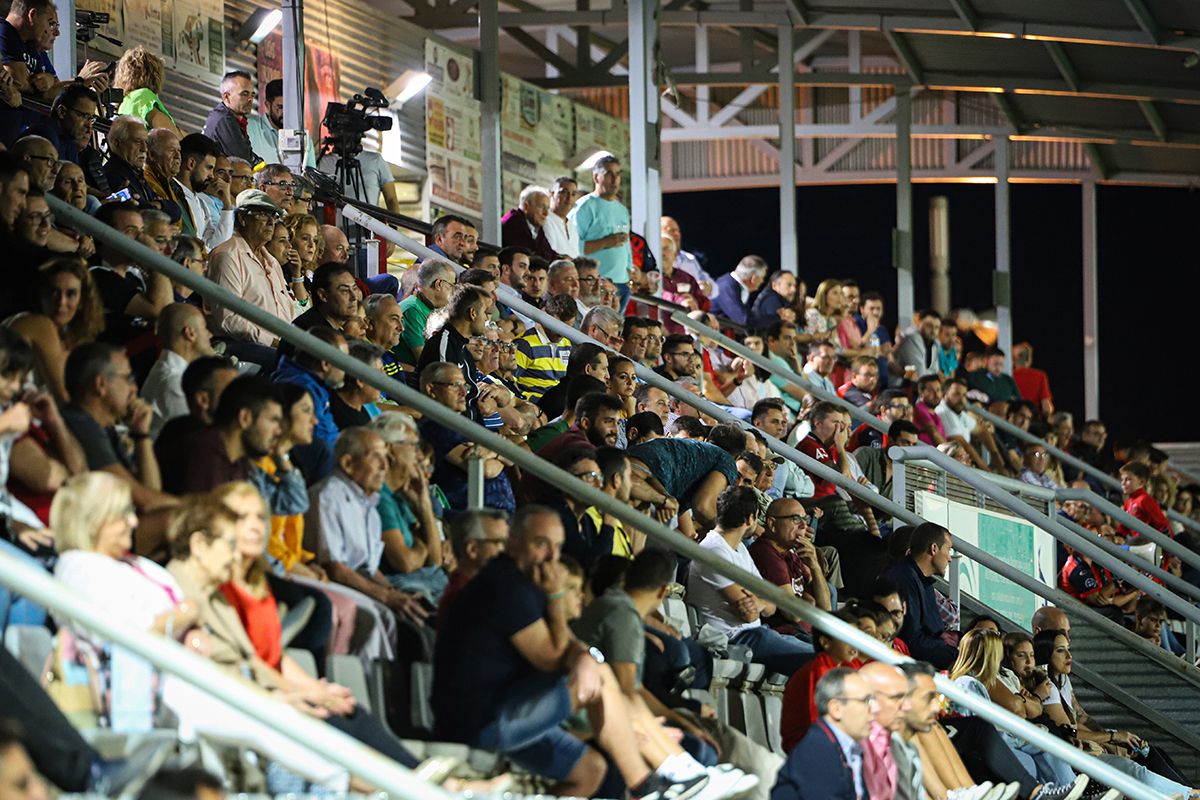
[
  {"x": 955, "y": 423},
  {"x": 116, "y": 291},
  {"x": 1033, "y": 384},
  {"x": 101, "y": 446},
  {"x": 923, "y": 417},
  {"x": 826, "y": 454},
  {"x": 1081, "y": 579},
  {"x": 780, "y": 568},
  {"x": 140, "y": 102},
  {"x": 996, "y": 387},
  {"x": 612, "y": 624},
  {"x": 342, "y": 525},
  {"x": 395, "y": 514},
  {"x": 783, "y": 383},
  {"x": 497, "y": 491},
  {"x": 475, "y": 662},
  {"x": 680, "y": 465},
  {"x": 375, "y": 174},
  {"x": 705, "y": 585},
  {"x": 13, "y": 48},
  {"x": 416, "y": 310},
  {"x": 596, "y": 218}
]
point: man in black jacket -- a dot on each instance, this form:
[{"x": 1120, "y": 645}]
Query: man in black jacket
[{"x": 227, "y": 122}]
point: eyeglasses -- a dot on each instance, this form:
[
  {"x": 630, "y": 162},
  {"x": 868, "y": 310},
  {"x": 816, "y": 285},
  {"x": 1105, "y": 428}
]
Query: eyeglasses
[
  {"x": 289, "y": 186},
  {"x": 40, "y": 217},
  {"x": 480, "y": 341},
  {"x": 795, "y": 519},
  {"x": 42, "y": 158},
  {"x": 233, "y": 176},
  {"x": 453, "y": 384},
  {"x": 592, "y": 476},
  {"x": 451, "y": 284},
  {"x": 865, "y": 699}
]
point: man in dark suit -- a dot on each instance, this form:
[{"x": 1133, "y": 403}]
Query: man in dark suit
[
  {"x": 522, "y": 226},
  {"x": 827, "y": 764},
  {"x": 738, "y": 289}
]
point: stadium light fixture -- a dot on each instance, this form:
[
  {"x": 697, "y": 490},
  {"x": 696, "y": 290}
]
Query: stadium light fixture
[
  {"x": 258, "y": 26},
  {"x": 410, "y": 84}
]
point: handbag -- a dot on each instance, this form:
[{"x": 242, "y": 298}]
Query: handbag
[{"x": 72, "y": 678}]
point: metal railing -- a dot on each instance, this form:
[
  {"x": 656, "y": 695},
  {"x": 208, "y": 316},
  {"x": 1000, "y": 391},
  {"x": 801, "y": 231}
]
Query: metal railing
[
  {"x": 358, "y": 759},
  {"x": 1086, "y": 545},
  {"x": 654, "y": 530},
  {"x": 1079, "y": 464},
  {"x": 1168, "y": 544},
  {"x": 760, "y": 360}
]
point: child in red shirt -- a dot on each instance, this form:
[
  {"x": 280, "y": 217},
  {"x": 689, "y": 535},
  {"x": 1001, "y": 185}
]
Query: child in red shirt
[{"x": 1139, "y": 503}]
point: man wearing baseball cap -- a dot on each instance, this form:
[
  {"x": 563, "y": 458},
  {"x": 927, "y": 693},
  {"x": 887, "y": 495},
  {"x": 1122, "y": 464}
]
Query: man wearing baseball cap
[{"x": 243, "y": 266}]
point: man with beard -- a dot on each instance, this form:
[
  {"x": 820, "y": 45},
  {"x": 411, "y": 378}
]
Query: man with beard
[
  {"x": 775, "y": 302},
  {"x": 961, "y": 426},
  {"x": 245, "y": 428},
  {"x": 263, "y": 129},
  {"x": 197, "y": 177}
]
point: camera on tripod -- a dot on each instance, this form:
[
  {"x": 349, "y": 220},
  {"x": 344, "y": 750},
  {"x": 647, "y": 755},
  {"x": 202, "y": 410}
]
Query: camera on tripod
[
  {"x": 87, "y": 26},
  {"x": 350, "y": 120}
]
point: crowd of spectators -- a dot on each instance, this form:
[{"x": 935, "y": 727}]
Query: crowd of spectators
[{"x": 189, "y": 473}]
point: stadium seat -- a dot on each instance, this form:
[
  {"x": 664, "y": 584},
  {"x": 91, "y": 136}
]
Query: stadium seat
[
  {"x": 32, "y": 645},
  {"x": 306, "y": 661},
  {"x": 348, "y": 671}
]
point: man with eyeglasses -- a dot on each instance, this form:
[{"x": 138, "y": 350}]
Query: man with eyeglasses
[
  {"x": 890, "y": 406},
  {"x": 245, "y": 267},
  {"x": 279, "y": 184},
  {"x": 892, "y": 702},
  {"x": 786, "y": 556},
  {"x": 435, "y": 284},
  {"x": 69, "y": 126},
  {"x": 41, "y": 156},
  {"x": 128, "y": 144},
  {"x": 227, "y": 122},
  {"x": 27, "y": 34},
  {"x": 827, "y": 764},
  {"x": 599, "y": 534},
  {"x": 476, "y": 536}
]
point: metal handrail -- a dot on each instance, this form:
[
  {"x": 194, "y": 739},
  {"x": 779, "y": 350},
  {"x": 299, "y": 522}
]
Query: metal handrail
[
  {"x": 655, "y": 530},
  {"x": 1176, "y": 548},
  {"x": 1022, "y": 490},
  {"x": 168, "y": 656},
  {"x": 1077, "y": 463},
  {"x": 674, "y": 308},
  {"x": 1084, "y": 544},
  {"x": 759, "y": 360}
]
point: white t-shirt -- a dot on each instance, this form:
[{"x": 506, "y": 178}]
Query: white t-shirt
[
  {"x": 561, "y": 235},
  {"x": 705, "y": 585},
  {"x": 135, "y": 591},
  {"x": 956, "y": 423}
]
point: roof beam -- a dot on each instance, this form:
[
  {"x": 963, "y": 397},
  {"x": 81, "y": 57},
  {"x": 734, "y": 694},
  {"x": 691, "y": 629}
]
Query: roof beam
[
  {"x": 905, "y": 54},
  {"x": 540, "y": 50},
  {"x": 1010, "y": 112},
  {"x": 1150, "y": 112},
  {"x": 966, "y": 13},
  {"x": 1036, "y": 85},
  {"x": 1145, "y": 19},
  {"x": 1065, "y": 68}
]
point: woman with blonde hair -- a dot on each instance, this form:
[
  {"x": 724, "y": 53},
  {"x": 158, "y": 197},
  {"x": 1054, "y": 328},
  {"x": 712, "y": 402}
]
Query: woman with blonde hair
[
  {"x": 821, "y": 321},
  {"x": 306, "y": 239},
  {"x": 70, "y": 313},
  {"x": 140, "y": 74},
  {"x": 93, "y": 520}
]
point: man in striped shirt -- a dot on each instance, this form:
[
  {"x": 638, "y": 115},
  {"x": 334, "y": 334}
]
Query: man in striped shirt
[{"x": 542, "y": 357}]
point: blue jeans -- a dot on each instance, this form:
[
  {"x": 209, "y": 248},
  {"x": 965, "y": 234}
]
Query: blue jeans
[
  {"x": 1144, "y": 776},
  {"x": 14, "y": 609},
  {"x": 778, "y": 653},
  {"x": 1037, "y": 762}
]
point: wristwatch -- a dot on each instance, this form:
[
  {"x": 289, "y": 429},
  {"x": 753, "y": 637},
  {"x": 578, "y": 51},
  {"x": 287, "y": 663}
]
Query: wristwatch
[{"x": 596, "y": 655}]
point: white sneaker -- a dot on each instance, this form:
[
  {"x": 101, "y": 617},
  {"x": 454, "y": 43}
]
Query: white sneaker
[
  {"x": 726, "y": 782},
  {"x": 977, "y": 792}
]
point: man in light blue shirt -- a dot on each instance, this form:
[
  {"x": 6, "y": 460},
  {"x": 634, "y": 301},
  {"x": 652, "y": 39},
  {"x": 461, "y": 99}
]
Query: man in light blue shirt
[
  {"x": 821, "y": 360},
  {"x": 603, "y": 226},
  {"x": 263, "y": 129}
]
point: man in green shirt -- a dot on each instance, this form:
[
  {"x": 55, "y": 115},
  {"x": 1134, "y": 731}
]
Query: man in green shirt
[
  {"x": 781, "y": 350},
  {"x": 435, "y": 284}
]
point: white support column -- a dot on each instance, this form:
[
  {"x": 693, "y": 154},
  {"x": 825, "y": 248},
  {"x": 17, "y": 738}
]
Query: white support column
[
  {"x": 1002, "y": 278},
  {"x": 1091, "y": 301},
  {"x": 854, "y": 53},
  {"x": 551, "y": 35},
  {"x": 63, "y": 54},
  {"x": 489, "y": 129},
  {"x": 293, "y": 79},
  {"x": 703, "y": 105},
  {"x": 788, "y": 250},
  {"x": 902, "y": 235},
  {"x": 645, "y": 192}
]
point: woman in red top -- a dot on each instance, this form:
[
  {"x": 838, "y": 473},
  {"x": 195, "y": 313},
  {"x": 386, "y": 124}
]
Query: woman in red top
[{"x": 799, "y": 711}]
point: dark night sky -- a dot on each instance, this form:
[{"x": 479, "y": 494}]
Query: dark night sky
[{"x": 1148, "y": 284}]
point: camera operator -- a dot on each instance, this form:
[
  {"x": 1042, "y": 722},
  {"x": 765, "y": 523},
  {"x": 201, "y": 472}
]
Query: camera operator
[
  {"x": 27, "y": 33},
  {"x": 347, "y": 123}
]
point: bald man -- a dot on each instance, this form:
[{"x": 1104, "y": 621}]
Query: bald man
[
  {"x": 1049, "y": 618},
  {"x": 892, "y": 702},
  {"x": 687, "y": 261}
]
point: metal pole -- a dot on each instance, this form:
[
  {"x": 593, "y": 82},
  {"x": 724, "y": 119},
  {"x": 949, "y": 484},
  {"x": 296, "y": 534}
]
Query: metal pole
[
  {"x": 1061, "y": 455},
  {"x": 655, "y": 530},
  {"x": 489, "y": 126},
  {"x": 1176, "y": 548},
  {"x": 1019, "y": 508},
  {"x": 739, "y": 349},
  {"x": 1002, "y": 278},
  {"x": 902, "y": 235},
  {"x": 475, "y": 481},
  {"x": 293, "y": 81},
  {"x": 168, "y": 656},
  {"x": 63, "y": 54},
  {"x": 788, "y": 248},
  {"x": 641, "y": 87},
  {"x": 1091, "y": 303},
  {"x": 939, "y": 254}
]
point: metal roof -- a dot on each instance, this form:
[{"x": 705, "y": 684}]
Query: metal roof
[{"x": 1120, "y": 77}]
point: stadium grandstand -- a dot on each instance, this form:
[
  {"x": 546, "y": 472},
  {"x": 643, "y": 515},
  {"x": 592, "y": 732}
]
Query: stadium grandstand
[{"x": 368, "y": 423}]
